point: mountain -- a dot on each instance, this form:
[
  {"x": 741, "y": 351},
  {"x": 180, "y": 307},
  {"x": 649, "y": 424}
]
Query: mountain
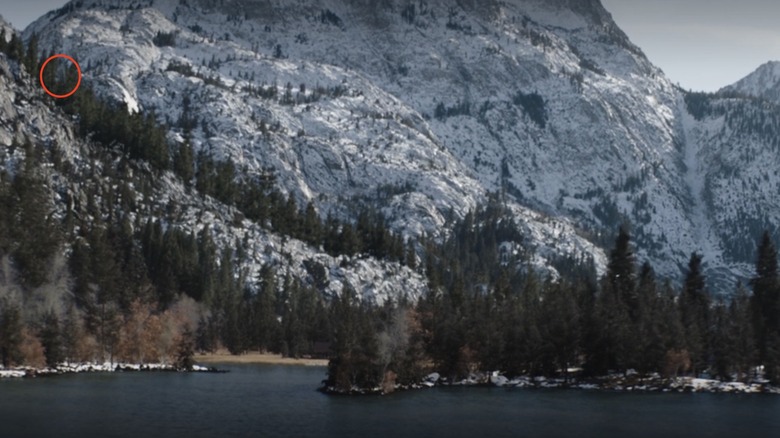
[
  {"x": 763, "y": 83},
  {"x": 423, "y": 109},
  {"x": 83, "y": 181},
  {"x": 5, "y": 26}
]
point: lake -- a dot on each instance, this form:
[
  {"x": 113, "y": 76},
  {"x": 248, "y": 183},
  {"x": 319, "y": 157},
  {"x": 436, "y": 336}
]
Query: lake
[{"x": 281, "y": 401}]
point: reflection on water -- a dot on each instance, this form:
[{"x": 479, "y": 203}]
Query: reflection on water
[{"x": 280, "y": 401}]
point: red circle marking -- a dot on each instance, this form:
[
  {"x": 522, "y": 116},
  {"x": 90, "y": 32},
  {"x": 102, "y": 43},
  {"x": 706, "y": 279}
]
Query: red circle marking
[{"x": 78, "y": 83}]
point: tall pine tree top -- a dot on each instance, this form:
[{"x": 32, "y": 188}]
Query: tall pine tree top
[
  {"x": 620, "y": 271},
  {"x": 766, "y": 264}
]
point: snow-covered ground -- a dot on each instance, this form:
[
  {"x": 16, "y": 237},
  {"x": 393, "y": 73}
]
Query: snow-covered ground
[
  {"x": 353, "y": 115},
  {"x": 105, "y": 367}
]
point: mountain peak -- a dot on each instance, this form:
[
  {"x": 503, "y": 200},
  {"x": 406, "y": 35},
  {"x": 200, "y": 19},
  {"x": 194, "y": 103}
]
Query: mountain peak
[
  {"x": 7, "y": 27},
  {"x": 764, "y": 82}
]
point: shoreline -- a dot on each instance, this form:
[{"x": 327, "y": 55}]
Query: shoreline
[
  {"x": 106, "y": 367},
  {"x": 610, "y": 383},
  {"x": 257, "y": 358}
]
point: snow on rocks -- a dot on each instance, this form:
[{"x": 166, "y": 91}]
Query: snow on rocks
[{"x": 105, "y": 367}]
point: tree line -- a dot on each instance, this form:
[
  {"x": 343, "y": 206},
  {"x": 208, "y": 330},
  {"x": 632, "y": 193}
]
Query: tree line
[
  {"x": 100, "y": 273},
  {"x": 519, "y": 323},
  {"x": 95, "y": 280}
]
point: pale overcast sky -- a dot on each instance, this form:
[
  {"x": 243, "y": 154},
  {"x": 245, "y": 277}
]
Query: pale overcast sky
[{"x": 700, "y": 44}]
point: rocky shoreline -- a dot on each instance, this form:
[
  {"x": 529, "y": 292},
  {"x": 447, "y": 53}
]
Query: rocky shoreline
[
  {"x": 107, "y": 367},
  {"x": 630, "y": 382}
]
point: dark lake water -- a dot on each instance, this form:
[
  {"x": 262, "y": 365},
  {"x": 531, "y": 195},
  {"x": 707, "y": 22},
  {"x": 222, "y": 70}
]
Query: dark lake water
[{"x": 280, "y": 401}]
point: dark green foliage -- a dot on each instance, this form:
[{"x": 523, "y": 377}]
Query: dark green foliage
[
  {"x": 15, "y": 48},
  {"x": 443, "y": 112},
  {"x": 620, "y": 273},
  {"x": 3, "y": 41},
  {"x": 765, "y": 307},
  {"x": 694, "y": 311},
  {"x": 266, "y": 330},
  {"x": 36, "y": 234},
  {"x": 10, "y": 331},
  {"x": 30, "y": 60},
  {"x": 71, "y": 332},
  {"x": 328, "y": 17},
  {"x": 354, "y": 345},
  {"x": 408, "y": 13},
  {"x": 51, "y": 339},
  {"x": 698, "y": 104},
  {"x": 164, "y": 39},
  {"x": 534, "y": 106}
]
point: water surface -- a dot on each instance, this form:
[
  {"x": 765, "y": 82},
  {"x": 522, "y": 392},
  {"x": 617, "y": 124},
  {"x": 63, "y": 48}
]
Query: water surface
[{"x": 280, "y": 401}]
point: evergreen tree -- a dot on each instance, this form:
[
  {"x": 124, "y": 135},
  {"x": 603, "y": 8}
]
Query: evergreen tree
[
  {"x": 621, "y": 272},
  {"x": 37, "y": 234},
  {"x": 266, "y": 327},
  {"x": 617, "y": 306},
  {"x": 31, "y": 56},
  {"x": 766, "y": 304},
  {"x": 694, "y": 311},
  {"x": 10, "y": 332},
  {"x": 354, "y": 345},
  {"x": 723, "y": 342},
  {"x": 560, "y": 326},
  {"x": 744, "y": 341},
  {"x": 650, "y": 323},
  {"x": 3, "y": 42},
  {"x": 184, "y": 163},
  {"x": 614, "y": 345},
  {"x": 15, "y": 48},
  {"x": 71, "y": 333},
  {"x": 51, "y": 339}
]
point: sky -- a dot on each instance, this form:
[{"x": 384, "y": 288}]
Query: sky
[{"x": 701, "y": 44}]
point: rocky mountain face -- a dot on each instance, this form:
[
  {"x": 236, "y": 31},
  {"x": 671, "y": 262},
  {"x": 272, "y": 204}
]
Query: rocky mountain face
[
  {"x": 424, "y": 108},
  {"x": 763, "y": 83},
  {"x": 71, "y": 167}
]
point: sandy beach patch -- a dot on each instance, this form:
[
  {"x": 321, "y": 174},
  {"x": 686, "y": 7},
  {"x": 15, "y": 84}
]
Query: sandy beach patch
[{"x": 258, "y": 358}]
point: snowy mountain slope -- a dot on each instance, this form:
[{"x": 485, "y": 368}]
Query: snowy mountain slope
[
  {"x": 764, "y": 83},
  {"x": 25, "y": 115},
  {"x": 5, "y": 26},
  {"x": 422, "y": 108},
  {"x": 330, "y": 133},
  {"x": 738, "y": 139}
]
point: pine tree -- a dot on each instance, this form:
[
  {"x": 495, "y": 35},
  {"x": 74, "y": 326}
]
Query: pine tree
[
  {"x": 560, "y": 326},
  {"x": 51, "y": 339},
  {"x": 694, "y": 311},
  {"x": 354, "y": 345},
  {"x": 723, "y": 342},
  {"x": 3, "y": 42},
  {"x": 71, "y": 334},
  {"x": 745, "y": 352},
  {"x": 266, "y": 327},
  {"x": 31, "y": 57},
  {"x": 15, "y": 48},
  {"x": 10, "y": 331},
  {"x": 621, "y": 272},
  {"x": 311, "y": 225},
  {"x": 649, "y": 323},
  {"x": 184, "y": 163},
  {"x": 207, "y": 267},
  {"x": 613, "y": 345},
  {"x": 37, "y": 234},
  {"x": 765, "y": 303}
]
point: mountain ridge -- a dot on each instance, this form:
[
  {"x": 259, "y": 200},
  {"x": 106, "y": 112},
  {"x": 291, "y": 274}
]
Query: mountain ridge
[{"x": 549, "y": 103}]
